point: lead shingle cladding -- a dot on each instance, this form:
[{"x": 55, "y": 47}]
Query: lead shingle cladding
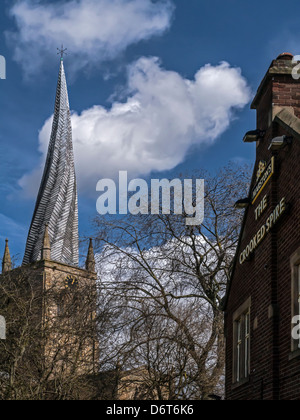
[{"x": 57, "y": 202}]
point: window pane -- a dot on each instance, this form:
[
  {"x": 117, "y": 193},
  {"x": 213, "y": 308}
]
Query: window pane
[
  {"x": 241, "y": 361},
  {"x": 247, "y": 324},
  {"x": 239, "y": 331},
  {"x": 238, "y": 350},
  {"x": 247, "y": 344}
]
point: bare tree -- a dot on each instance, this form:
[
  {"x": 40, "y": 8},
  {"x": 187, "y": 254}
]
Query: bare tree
[
  {"x": 166, "y": 282},
  {"x": 155, "y": 313},
  {"x": 48, "y": 351}
]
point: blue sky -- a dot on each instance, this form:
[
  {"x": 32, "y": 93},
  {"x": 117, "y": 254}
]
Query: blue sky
[{"x": 156, "y": 87}]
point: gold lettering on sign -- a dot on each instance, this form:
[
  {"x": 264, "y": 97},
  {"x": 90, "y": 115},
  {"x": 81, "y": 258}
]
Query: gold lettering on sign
[
  {"x": 263, "y": 180},
  {"x": 263, "y": 231},
  {"x": 261, "y": 208}
]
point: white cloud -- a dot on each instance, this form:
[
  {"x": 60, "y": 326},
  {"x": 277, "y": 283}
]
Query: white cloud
[
  {"x": 163, "y": 116},
  {"x": 93, "y": 30}
]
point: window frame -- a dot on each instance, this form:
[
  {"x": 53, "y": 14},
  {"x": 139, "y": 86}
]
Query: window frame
[{"x": 241, "y": 344}]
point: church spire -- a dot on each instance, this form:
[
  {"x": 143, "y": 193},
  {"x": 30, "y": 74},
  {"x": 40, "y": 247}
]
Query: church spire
[
  {"x": 57, "y": 201},
  {"x": 6, "y": 262},
  {"x": 90, "y": 264}
]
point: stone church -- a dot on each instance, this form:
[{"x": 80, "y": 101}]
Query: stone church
[
  {"x": 51, "y": 349},
  {"x": 63, "y": 295}
]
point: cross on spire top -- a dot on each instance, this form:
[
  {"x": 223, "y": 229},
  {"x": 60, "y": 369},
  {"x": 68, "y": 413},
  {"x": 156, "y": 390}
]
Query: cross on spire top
[{"x": 62, "y": 51}]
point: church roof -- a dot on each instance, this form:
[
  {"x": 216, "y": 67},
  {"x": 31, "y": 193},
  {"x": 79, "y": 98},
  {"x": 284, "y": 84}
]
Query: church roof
[{"x": 57, "y": 201}]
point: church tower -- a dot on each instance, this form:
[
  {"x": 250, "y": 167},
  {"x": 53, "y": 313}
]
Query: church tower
[{"x": 65, "y": 296}]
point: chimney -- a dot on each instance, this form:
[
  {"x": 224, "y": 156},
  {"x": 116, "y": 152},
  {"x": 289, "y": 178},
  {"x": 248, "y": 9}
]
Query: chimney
[{"x": 278, "y": 90}]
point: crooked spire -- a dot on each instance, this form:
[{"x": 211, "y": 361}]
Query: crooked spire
[
  {"x": 6, "y": 262},
  {"x": 57, "y": 201}
]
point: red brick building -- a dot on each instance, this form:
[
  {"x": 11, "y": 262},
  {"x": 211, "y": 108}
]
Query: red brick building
[{"x": 263, "y": 297}]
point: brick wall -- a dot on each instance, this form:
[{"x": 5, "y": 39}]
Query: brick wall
[{"x": 266, "y": 277}]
